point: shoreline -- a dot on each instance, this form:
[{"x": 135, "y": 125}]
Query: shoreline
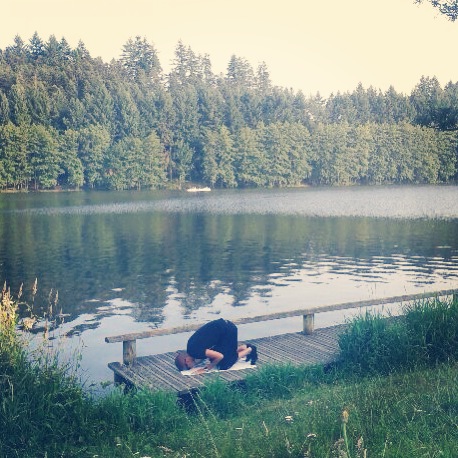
[{"x": 191, "y": 185}]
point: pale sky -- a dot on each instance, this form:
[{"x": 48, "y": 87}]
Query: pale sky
[{"x": 311, "y": 45}]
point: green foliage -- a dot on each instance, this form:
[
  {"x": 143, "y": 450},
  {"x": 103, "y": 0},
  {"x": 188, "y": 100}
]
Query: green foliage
[
  {"x": 222, "y": 130},
  {"x": 45, "y": 411},
  {"x": 280, "y": 411},
  {"x": 18, "y": 105},
  {"x": 220, "y": 399},
  {"x": 218, "y": 158},
  {"x": 373, "y": 344},
  {"x": 426, "y": 334},
  {"x": 250, "y": 158},
  {"x": 433, "y": 330},
  {"x": 4, "y": 109},
  {"x": 93, "y": 146},
  {"x": 71, "y": 163},
  {"x": 140, "y": 60},
  {"x": 14, "y": 156},
  {"x": 44, "y": 156}
]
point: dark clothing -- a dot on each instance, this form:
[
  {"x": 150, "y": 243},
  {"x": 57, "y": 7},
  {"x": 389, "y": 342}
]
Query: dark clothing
[{"x": 219, "y": 335}]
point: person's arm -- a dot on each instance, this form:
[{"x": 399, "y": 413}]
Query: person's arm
[{"x": 214, "y": 356}]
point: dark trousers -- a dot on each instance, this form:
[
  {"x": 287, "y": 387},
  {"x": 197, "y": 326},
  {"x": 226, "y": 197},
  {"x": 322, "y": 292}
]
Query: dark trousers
[{"x": 228, "y": 346}]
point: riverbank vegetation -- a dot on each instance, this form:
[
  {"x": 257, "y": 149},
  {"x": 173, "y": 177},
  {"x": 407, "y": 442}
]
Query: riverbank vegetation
[
  {"x": 393, "y": 394},
  {"x": 68, "y": 120}
]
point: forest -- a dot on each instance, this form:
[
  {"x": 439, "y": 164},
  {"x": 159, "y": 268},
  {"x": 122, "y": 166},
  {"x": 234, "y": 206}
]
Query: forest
[{"x": 71, "y": 121}]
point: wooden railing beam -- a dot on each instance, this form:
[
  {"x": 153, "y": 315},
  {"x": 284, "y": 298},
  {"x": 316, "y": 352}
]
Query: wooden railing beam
[
  {"x": 280, "y": 315},
  {"x": 129, "y": 341}
]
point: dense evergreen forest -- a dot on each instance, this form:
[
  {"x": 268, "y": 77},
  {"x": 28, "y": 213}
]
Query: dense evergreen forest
[{"x": 70, "y": 120}]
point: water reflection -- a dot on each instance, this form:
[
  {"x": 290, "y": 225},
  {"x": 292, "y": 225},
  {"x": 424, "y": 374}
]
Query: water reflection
[
  {"x": 379, "y": 202},
  {"x": 129, "y": 261}
]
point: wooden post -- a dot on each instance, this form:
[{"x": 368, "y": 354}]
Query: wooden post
[
  {"x": 308, "y": 323},
  {"x": 118, "y": 380},
  {"x": 129, "y": 351}
]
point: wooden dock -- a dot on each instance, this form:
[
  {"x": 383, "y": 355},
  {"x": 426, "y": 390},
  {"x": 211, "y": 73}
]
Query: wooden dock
[{"x": 159, "y": 372}]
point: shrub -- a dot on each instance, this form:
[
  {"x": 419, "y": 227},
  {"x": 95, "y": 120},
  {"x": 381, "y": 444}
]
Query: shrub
[
  {"x": 427, "y": 333},
  {"x": 433, "y": 330}
]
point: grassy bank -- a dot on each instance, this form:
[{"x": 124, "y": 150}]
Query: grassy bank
[{"x": 394, "y": 394}]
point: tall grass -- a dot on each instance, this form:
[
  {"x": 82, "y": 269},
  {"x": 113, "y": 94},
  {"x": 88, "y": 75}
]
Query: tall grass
[
  {"x": 426, "y": 333},
  {"x": 44, "y": 410},
  {"x": 404, "y": 408},
  {"x": 433, "y": 330},
  {"x": 36, "y": 393}
]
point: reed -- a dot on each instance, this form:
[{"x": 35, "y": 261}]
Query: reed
[{"x": 8, "y": 313}]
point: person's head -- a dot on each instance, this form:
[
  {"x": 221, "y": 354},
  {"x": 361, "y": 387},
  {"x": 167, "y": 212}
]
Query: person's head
[{"x": 183, "y": 361}]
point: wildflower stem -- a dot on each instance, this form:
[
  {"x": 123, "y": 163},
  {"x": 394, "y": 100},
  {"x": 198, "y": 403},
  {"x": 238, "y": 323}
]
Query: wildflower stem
[{"x": 344, "y": 431}]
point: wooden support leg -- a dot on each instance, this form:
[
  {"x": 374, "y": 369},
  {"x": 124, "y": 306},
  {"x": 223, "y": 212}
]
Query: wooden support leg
[
  {"x": 118, "y": 380},
  {"x": 129, "y": 352},
  {"x": 308, "y": 323}
]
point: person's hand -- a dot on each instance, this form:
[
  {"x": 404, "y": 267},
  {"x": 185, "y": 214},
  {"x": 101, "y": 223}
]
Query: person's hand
[{"x": 199, "y": 370}]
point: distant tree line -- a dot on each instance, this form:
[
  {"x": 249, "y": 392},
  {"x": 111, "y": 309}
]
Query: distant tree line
[{"x": 70, "y": 120}]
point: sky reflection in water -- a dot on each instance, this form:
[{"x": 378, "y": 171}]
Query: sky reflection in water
[{"x": 125, "y": 262}]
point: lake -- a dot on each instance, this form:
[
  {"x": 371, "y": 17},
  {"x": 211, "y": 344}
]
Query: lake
[{"x": 131, "y": 261}]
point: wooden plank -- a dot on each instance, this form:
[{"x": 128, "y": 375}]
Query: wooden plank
[
  {"x": 299, "y": 348},
  {"x": 163, "y": 376},
  {"x": 305, "y": 356},
  {"x": 321, "y": 345},
  {"x": 280, "y": 315},
  {"x": 226, "y": 375},
  {"x": 159, "y": 372}
]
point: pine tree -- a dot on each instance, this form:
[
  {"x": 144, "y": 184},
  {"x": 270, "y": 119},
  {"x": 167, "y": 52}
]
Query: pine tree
[
  {"x": 4, "y": 109},
  {"x": 140, "y": 60},
  {"x": 45, "y": 161},
  {"x": 36, "y": 47},
  {"x": 19, "y": 112},
  {"x": 73, "y": 172}
]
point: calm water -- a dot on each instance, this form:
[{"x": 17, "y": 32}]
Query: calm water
[{"x": 129, "y": 261}]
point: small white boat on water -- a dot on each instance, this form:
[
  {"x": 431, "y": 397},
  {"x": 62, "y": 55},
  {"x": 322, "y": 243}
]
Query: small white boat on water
[{"x": 194, "y": 189}]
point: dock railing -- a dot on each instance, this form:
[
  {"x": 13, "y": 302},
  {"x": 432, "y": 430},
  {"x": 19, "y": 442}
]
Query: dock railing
[{"x": 129, "y": 341}]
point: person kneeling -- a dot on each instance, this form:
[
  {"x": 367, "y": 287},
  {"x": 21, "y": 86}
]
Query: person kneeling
[{"x": 217, "y": 341}]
